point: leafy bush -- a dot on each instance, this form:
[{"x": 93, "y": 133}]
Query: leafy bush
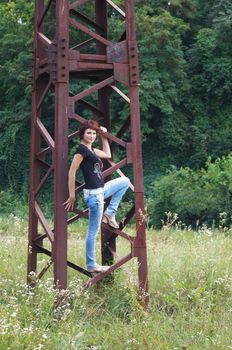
[
  {"x": 197, "y": 196},
  {"x": 13, "y": 204}
]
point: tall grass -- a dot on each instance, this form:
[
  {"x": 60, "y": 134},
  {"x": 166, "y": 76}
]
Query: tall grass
[{"x": 190, "y": 285}]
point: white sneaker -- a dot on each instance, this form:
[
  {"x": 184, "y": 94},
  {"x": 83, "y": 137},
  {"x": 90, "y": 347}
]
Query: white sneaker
[{"x": 98, "y": 268}]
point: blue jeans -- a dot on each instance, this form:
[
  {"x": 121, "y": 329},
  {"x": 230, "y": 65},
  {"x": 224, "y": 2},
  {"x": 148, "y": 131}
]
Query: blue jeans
[{"x": 94, "y": 200}]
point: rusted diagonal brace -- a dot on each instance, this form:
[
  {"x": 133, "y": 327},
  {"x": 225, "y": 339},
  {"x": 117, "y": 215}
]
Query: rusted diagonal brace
[
  {"x": 45, "y": 134},
  {"x": 42, "y": 163},
  {"x": 88, "y": 105},
  {"x": 77, "y": 3},
  {"x": 44, "y": 179},
  {"x": 120, "y": 93},
  {"x": 114, "y": 168},
  {"x": 83, "y": 44},
  {"x": 87, "y": 20},
  {"x": 121, "y": 132},
  {"x": 40, "y": 238},
  {"x": 69, "y": 263},
  {"x": 46, "y": 150},
  {"x": 44, "y": 12},
  {"x": 78, "y": 216},
  {"x": 120, "y": 173},
  {"x": 128, "y": 217},
  {"x": 43, "y": 62},
  {"x": 44, "y": 94},
  {"x": 113, "y": 267},
  {"x": 111, "y": 3},
  {"x": 130, "y": 275},
  {"x": 43, "y": 222},
  {"x": 106, "y": 134},
  {"x": 118, "y": 232},
  {"x": 91, "y": 107},
  {"x": 90, "y": 90},
  {"x": 82, "y": 214},
  {"x": 42, "y": 272},
  {"x": 44, "y": 39},
  {"x": 89, "y": 32}
]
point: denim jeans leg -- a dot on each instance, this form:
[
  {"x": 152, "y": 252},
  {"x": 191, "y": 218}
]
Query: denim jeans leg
[
  {"x": 95, "y": 204},
  {"x": 115, "y": 188}
]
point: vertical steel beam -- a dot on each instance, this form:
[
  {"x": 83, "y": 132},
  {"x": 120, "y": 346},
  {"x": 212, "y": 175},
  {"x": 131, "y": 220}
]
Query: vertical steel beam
[
  {"x": 37, "y": 90},
  {"x": 140, "y": 242},
  {"x": 104, "y": 105},
  {"x": 61, "y": 144}
]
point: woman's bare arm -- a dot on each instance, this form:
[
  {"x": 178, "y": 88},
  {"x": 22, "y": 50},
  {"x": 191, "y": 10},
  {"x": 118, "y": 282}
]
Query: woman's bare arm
[
  {"x": 105, "y": 152},
  {"x": 77, "y": 159}
]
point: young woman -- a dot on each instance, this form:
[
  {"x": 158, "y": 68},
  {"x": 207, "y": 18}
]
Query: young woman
[{"x": 88, "y": 159}]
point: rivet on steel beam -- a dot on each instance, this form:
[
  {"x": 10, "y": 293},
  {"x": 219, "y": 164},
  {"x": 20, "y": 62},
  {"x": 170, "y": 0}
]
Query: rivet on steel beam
[
  {"x": 134, "y": 81},
  {"x": 134, "y": 67},
  {"x": 132, "y": 56}
]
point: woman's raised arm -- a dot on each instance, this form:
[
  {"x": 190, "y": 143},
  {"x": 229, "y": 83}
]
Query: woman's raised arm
[{"x": 105, "y": 152}]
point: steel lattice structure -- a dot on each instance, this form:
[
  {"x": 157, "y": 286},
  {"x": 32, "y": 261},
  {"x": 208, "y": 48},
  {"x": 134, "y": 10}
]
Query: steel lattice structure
[{"x": 107, "y": 65}]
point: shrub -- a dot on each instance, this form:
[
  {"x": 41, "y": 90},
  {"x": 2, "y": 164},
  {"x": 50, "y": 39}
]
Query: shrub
[
  {"x": 13, "y": 203},
  {"x": 197, "y": 196}
]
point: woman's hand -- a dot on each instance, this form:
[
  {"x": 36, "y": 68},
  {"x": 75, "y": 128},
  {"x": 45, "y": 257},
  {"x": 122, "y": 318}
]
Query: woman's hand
[
  {"x": 69, "y": 204},
  {"x": 103, "y": 129}
]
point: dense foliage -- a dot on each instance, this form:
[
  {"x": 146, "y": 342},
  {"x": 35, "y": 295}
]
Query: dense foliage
[
  {"x": 201, "y": 196},
  {"x": 186, "y": 81},
  {"x": 15, "y": 93}
]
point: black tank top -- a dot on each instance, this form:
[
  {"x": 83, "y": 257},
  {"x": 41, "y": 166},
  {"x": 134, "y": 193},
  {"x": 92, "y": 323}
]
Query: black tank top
[{"x": 91, "y": 167}]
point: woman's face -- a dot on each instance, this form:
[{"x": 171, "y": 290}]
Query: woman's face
[{"x": 90, "y": 135}]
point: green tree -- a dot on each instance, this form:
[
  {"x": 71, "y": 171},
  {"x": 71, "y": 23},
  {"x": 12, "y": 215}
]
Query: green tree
[{"x": 15, "y": 97}]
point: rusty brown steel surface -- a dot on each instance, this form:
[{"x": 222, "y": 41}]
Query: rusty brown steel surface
[
  {"x": 104, "y": 65},
  {"x": 59, "y": 251},
  {"x": 104, "y": 105},
  {"x": 35, "y": 145},
  {"x": 137, "y": 154}
]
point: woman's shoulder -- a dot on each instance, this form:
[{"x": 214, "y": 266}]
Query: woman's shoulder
[
  {"x": 81, "y": 146},
  {"x": 82, "y": 149}
]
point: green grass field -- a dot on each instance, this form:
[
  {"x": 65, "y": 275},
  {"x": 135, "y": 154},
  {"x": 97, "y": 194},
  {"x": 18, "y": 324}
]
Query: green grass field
[{"x": 190, "y": 287}]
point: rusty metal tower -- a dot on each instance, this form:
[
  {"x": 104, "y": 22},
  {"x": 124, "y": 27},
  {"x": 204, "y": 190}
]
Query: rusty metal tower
[{"x": 76, "y": 48}]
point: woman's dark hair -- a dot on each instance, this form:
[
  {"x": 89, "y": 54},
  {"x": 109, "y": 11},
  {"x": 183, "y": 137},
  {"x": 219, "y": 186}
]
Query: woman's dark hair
[{"x": 89, "y": 124}]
